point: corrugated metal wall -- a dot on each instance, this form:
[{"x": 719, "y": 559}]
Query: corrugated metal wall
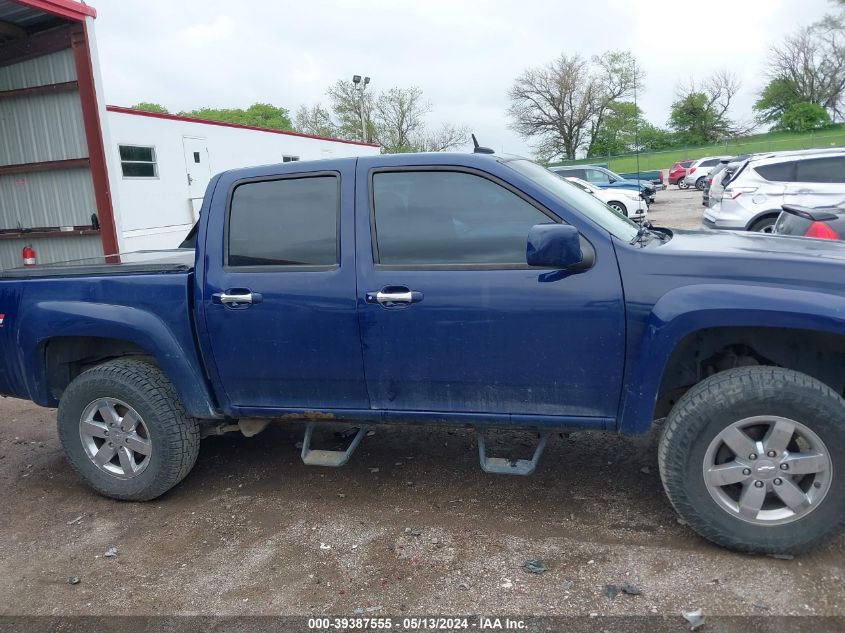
[
  {"x": 42, "y": 128},
  {"x": 56, "y": 68},
  {"x": 39, "y": 128},
  {"x": 42, "y": 198}
]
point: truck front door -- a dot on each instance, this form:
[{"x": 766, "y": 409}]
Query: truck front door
[
  {"x": 279, "y": 290},
  {"x": 452, "y": 318}
]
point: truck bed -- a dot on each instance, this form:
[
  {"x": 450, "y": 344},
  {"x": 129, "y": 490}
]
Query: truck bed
[{"x": 177, "y": 260}]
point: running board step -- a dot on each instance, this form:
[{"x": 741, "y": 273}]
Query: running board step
[
  {"x": 329, "y": 458},
  {"x": 503, "y": 466}
]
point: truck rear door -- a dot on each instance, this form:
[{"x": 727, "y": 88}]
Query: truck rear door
[
  {"x": 278, "y": 296},
  {"x": 454, "y": 322}
]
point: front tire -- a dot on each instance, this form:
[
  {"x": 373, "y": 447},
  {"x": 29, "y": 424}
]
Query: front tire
[
  {"x": 753, "y": 459},
  {"x": 682, "y": 184},
  {"x": 125, "y": 432},
  {"x": 618, "y": 206}
]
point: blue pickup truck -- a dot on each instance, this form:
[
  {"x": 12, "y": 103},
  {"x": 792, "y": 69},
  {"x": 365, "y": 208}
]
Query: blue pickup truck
[{"x": 471, "y": 290}]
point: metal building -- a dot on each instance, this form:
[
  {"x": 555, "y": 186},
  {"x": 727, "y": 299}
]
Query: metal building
[{"x": 54, "y": 185}]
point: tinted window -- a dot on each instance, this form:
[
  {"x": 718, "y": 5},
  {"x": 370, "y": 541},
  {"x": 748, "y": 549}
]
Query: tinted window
[
  {"x": 597, "y": 176},
  {"x": 137, "y": 161},
  {"x": 820, "y": 170},
  {"x": 574, "y": 173},
  {"x": 778, "y": 172},
  {"x": 442, "y": 217},
  {"x": 709, "y": 163},
  {"x": 686, "y": 163},
  {"x": 284, "y": 222}
]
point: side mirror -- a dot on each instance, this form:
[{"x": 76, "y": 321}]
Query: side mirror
[{"x": 554, "y": 246}]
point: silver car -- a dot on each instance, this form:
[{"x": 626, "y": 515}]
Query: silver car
[
  {"x": 697, "y": 172},
  {"x": 752, "y": 199}
]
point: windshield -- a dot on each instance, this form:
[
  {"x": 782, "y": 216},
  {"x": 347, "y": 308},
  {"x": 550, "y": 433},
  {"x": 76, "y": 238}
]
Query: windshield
[
  {"x": 570, "y": 195},
  {"x": 612, "y": 175}
]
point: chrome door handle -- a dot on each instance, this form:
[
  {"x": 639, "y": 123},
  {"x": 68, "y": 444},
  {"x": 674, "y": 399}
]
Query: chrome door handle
[
  {"x": 395, "y": 296},
  {"x": 236, "y": 298}
]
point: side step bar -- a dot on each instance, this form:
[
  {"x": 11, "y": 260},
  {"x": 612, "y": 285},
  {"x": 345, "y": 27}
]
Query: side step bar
[
  {"x": 503, "y": 466},
  {"x": 329, "y": 458}
]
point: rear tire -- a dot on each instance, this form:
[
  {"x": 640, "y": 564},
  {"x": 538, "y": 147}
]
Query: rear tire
[
  {"x": 701, "y": 183},
  {"x": 716, "y": 488},
  {"x": 125, "y": 432},
  {"x": 764, "y": 225}
]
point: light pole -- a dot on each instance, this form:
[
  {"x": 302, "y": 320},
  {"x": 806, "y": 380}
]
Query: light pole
[{"x": 360, "y": 86}]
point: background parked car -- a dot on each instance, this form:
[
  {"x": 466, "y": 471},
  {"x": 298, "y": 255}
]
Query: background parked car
[
  {"x": 827, "y": 223},
  {"x": 605, "y": 179},
  {"x": 653, "y": 177},
  {"x": 626, "y": 201},
  {"x": 753, "y": 198},
  {"x": 698, "y": 171},
  {"x": 716, "y": 179},
  {"x": 678, "y": 172}
]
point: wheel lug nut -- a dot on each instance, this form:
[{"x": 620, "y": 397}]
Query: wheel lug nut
[
  {"x": 752, "y": 456},
  {"x": 784, "y": 466},
  {"x": 746, "y": 471},
  {"x": 758, "y": 484},
  {"x": 111, "y": 444},
  {"x": 106, "y": 433},
  {"x": 777, "y": 481},
  {"x": 772, "y": 454}
]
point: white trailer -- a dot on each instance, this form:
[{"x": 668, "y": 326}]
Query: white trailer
[{"x": 160, "y": 165}]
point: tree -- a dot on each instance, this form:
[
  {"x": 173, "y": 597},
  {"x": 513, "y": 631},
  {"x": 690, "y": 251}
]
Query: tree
[
  {"x": 146, "y": 106},
  {"x": 345, "y": 100},
  {"x": 804, "y": 117},
  {"x": 400, "y": 119},
  {"x": 258, "y": 114},
  {"x": 562, "y": 106},
  {"x": 315, "y": 120},
  {"x": 653, "y": 138},
  {"x": 618, "y": 134},
  {"x": 395, "y": 119},
  {"x": 810, "y": 67},
  {"x": 447, "y": 137},
  {"x": 699, "y": 114},
  {"x": 775, "y": 99}
]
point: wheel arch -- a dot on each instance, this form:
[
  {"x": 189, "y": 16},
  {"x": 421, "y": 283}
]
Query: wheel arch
[
  {"x": 682, "y": 338},
  {"x": 68, "y": 337},
  {"x": 774, "y": 213}
]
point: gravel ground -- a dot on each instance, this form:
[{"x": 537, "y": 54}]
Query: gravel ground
[
  {"x": 677, "y": 208},
  {"x": 410, "y": 526}
]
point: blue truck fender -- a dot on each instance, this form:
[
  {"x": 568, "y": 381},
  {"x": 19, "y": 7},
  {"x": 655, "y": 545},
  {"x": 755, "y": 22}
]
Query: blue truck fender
[
  {"x": 688, "y": 309},
  {"x": 178, "y": 361}
]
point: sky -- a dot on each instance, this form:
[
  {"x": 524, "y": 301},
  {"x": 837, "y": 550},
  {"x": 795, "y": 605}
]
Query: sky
[{"x": 464, "y": 55}]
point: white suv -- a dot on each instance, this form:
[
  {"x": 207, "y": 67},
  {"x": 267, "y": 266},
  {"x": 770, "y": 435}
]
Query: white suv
[
  {"x": 752, "y": 199},
  {"x": 697, "y": 172}
]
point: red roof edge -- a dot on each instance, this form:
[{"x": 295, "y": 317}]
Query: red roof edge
[
  {"x": 69, "y": 9},
  {"x": 188, "y": 119}
]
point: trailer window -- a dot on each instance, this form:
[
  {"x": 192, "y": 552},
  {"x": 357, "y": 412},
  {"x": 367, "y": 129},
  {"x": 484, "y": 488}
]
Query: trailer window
[
  {"x": 286, "y": 222},
  {"x": 138, "y": 161}
]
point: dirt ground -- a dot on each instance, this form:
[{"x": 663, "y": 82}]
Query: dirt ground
[
  {"x": 410, "y": 526},
  {"x": 677, "y": 208}
]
